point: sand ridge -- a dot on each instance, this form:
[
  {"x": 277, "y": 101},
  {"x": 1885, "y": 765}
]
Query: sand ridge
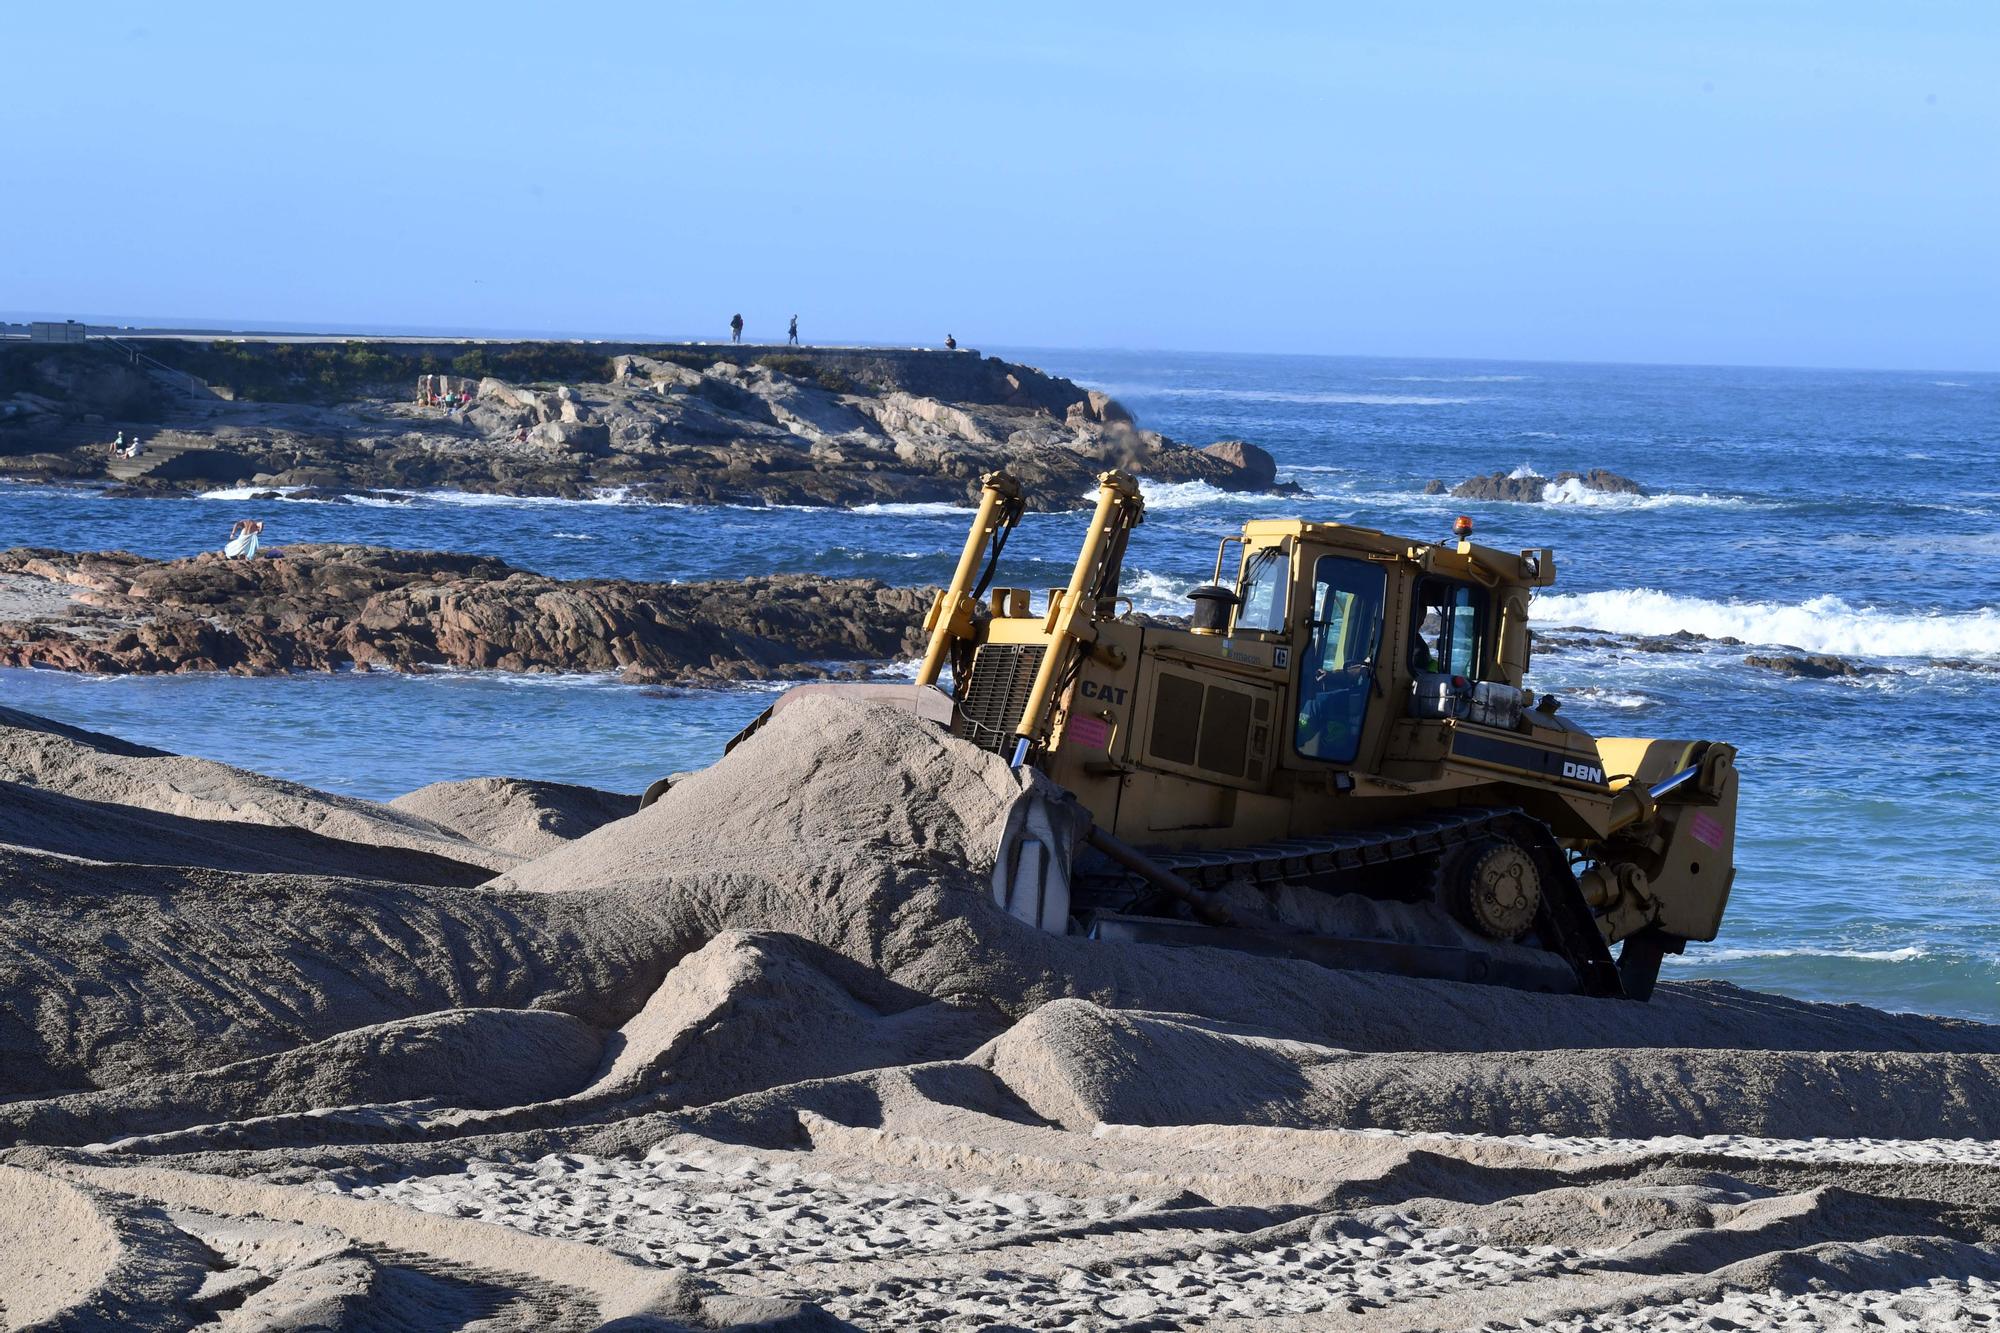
[{"x": 770, "y": 1051}]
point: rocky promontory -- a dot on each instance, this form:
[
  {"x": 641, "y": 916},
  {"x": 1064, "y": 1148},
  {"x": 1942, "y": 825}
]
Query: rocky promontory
[
  {"x": 331, "y": 607},
  {"x": 674, "y": 422}
]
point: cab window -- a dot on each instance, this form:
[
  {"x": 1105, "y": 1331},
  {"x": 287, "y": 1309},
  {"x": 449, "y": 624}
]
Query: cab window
[
  {"x": 1337, "y": 670},
  {"x": 1448, "y": 631},
  {"x": 1266, "y": 574}
]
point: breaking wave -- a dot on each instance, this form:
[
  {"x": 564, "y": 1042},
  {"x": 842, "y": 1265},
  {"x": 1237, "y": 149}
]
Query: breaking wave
[
  {"x": 1166, "y": 496},
  {"x": 1821, "y": 625},
  {"x": 1906, "y": 954},
  {"x": 913, "y": 509},
  {"x": 1156, "y": 594},
  {"x": 245, "y": 492},
  {"x": 1574, "y": 492},
  {"x": 1598, "y": 696}
]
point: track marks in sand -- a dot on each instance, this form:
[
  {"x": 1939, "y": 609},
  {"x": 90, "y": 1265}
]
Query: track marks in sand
[
  {"x": 890, "y": 1228},
  {"x": 717, "y": 1210}
]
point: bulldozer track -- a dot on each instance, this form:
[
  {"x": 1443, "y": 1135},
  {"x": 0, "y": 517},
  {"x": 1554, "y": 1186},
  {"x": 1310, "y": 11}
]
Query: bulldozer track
[
  {"x": 1563, "y": 921},
  {"x": 1295, "y": 859}
]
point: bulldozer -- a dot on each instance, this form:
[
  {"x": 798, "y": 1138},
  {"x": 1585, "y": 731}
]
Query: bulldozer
[{"x": 1340, "y": 720}]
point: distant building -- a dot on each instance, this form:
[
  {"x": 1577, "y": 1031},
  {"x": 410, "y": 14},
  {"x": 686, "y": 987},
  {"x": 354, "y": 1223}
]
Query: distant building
[{"x": 48, "y": 331}]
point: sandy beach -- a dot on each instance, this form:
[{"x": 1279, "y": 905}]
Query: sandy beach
[{"x": 506, "y": 1055}]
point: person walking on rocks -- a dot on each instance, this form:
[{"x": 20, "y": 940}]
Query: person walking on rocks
[
  {"x": 244, "y": 535},
  {"x": 736, "y": 328},
  {"x": 792, "y": 335}
]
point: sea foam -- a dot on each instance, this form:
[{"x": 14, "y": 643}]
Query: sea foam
[
  {"x": 1166, "y": 496},
  {"x": 1701, "y": 954},
  {"x": 1574, "y": 492},
  {"x": 1819, "y": 625},
  {"x": 913, "y": 509}
]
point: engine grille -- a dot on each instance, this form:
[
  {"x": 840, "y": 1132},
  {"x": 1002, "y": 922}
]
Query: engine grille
[{"x": 990, "y": 702}]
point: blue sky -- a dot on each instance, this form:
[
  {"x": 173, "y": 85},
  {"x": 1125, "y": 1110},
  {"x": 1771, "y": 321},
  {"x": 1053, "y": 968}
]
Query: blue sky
[{"x": 1769, "y": 183}]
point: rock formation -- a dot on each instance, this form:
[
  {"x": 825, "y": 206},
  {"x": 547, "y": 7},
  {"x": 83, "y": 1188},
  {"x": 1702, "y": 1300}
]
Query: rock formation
[
  {"x": 1257, "y": 470},
  {"x": 811, "y": 426},
  {"x": 1531, "y": 488},
  {"x": 325, "y": 608},
  {"x": 1815, "y": 666}
]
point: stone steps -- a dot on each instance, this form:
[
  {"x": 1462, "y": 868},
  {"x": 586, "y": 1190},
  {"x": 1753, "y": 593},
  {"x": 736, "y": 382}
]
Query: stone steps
[{"x": 155, "y": 457}]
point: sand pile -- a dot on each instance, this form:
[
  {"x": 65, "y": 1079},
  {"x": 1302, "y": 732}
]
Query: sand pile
[
  {"x": 771, "y": 1039},
  {"x": 1080, "y": 1065},
  {"x": 110, "y": 973},
  {"x": 516, "y": 815},
  {"x": 116, "y": 777}
]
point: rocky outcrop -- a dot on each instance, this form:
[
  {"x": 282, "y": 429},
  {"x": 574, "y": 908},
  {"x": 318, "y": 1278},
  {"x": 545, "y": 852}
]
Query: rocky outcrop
[
  {"x": 326, "y": 608},
  {"x": 1815, "y": 666},
  {"x": 702, "y": 425},
  {"x": 1255, "y": 469},
  {"x": 1532, "y": 488}
]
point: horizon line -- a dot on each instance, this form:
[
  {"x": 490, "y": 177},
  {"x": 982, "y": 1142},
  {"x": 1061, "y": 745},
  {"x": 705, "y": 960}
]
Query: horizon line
[{"x": 160, "y": 326}]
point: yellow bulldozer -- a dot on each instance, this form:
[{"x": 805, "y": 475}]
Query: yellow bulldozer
[{"x": 1342, "y": 720}]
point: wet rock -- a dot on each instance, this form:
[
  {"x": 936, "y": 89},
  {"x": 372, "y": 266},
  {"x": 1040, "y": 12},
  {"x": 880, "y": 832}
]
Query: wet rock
[
  {"x": 1554, "y": 642},
  {"x": 327, "y": 608},
  {"x": 1434, "y": 487},
  {"x": 1680, "y": 641},
  {"x": 1532, "y": 488},
  {"x": 1815, "y": 666},
  {"x": 1598, "y": 479},
  {"x": 1501, "y": 486}
]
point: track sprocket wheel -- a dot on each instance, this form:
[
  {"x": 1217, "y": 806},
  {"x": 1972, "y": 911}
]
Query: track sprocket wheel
[{"x": 1494, "y": 886}]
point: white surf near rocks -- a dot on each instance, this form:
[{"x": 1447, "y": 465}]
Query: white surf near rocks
[{"x": 767, "y": 1051}]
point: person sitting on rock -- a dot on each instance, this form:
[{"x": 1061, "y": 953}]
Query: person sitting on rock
[
  {"x": 118, "y": 446},
  {"x": 950, "y": 343}
]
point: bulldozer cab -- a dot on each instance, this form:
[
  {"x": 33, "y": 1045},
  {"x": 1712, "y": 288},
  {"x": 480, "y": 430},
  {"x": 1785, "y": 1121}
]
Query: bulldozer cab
[
  {"x": 1339, "y": 664},
  {"x": 1374, "y": 630}
]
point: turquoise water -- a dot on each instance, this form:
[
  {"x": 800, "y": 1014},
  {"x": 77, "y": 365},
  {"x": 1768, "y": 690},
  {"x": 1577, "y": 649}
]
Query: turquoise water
[{"x": 1856, "y": 513}]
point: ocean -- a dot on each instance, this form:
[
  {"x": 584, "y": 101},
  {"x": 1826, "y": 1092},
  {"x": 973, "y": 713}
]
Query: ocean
[{"x": 1847, "y": 512}]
